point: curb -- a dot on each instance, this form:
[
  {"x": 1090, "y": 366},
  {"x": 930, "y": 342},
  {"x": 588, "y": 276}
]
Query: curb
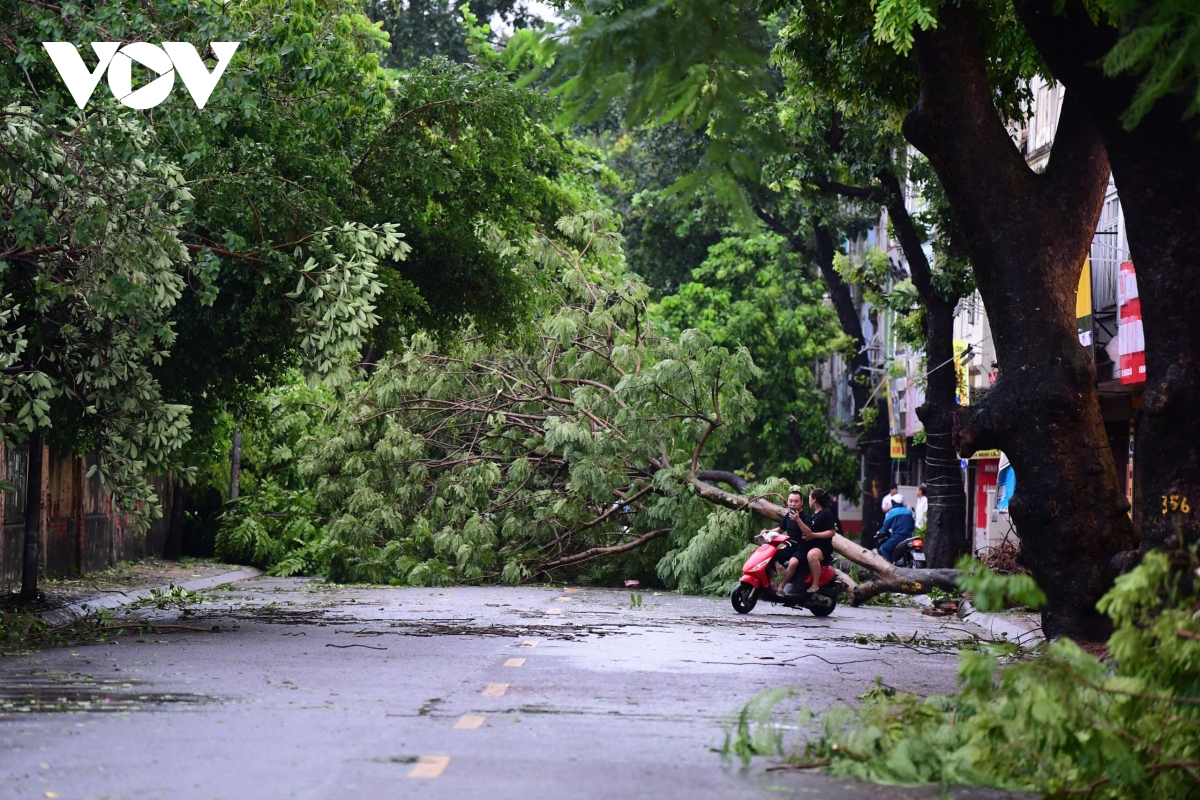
[
  {"x": 1002, "y": 627},
  {"x": 117, "y": 599}
]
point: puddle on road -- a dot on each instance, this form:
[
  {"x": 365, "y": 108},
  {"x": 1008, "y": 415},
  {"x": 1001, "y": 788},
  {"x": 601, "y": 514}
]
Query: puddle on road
[{"x": 74, "y": 693}]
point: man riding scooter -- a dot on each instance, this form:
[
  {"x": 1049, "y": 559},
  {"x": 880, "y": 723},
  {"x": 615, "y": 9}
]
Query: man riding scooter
[{"x": 898, "y": 526}]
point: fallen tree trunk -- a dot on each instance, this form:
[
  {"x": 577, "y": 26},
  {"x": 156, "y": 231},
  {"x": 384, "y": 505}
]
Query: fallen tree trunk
[{"x": 888, "y": 577}]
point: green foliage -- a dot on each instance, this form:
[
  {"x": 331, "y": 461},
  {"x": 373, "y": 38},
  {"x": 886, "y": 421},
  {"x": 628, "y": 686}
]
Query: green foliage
[
  {"x": 420, "y": 29},
  {"x": 497, "y": 460},
  {"x": 23, "y": 630},
  {"x": 753, "y": 292},
  {"x": 273, "y": 524},
  {"x": 317, "y": 208},
  {"x": 1061, "y": 723},
  {"x": 90, "y": 273},
  {"x": 993, "y": 592},
  {"x": 1160, "y": 43}
]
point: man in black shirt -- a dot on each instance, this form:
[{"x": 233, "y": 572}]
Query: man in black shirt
[{"x": 788, "y": 556}]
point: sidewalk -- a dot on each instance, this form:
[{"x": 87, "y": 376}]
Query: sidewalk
[
  {"x": 128, "y": 584},
  {"x": 1023, "y": 628}
]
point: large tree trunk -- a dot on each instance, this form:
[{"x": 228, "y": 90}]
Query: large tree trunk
[
  {"x": 889, "y": 578},
  {"x": 1156, "y": 166},
  {"x": 173, "y": 546},
  {"x": 946, "y": 534},
  {"x": 1027, "y": 236},
  {"x": 946, "y": 538},
  {"x": 33, "y": 519}
]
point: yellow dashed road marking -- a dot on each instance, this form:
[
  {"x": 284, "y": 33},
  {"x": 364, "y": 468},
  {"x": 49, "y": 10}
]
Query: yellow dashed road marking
[
  {"x": 553, "y": 610},
  {"x": 429, "y": 767},
  {"x": 562, "y": 599},
  {"x": 570, "y": 591},
  {"x": 495, "y": 689},
  {"x": 529, "y": 643},
  {"x": 514, "y": 662},
  {"x": 468, "y": 723}
]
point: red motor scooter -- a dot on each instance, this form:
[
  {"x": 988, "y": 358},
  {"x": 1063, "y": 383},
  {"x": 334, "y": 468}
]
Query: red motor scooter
[{"x": 760, "y": 569}]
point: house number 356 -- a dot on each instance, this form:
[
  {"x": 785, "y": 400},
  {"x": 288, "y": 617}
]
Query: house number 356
[{"x": 1175, "y": 502}]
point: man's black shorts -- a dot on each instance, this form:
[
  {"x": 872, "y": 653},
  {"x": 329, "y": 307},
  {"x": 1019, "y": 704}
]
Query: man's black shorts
[
  {"x": 800, "y": 550},
  {"x": 789, "y": 551}
]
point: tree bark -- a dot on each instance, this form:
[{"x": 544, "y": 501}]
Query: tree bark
[
  {"x": 889, "y": 578},
  {"x": 235, "y": 464},
  {"x": 33, "y": 519},
  {"x": 173, "y": 546},
  {"x": 1156, "y": 166},
  {"x": 946, "y": 534},
  {"x": 724, "y": 476},
  {"x": 1027, "y": 236}
]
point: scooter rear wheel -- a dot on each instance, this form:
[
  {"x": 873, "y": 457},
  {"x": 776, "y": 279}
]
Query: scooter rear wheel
[
  {"x": 744, "y": 598},
  {"x": 831, "y": 592}
]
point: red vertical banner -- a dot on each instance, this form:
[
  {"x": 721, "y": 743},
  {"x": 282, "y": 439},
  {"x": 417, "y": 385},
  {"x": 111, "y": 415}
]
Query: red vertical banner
[{"x": 1131, "y": 344}]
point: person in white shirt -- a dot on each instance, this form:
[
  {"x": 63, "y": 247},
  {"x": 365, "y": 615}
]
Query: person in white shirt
[
  {"x": 921, "y": 512},
  {"x": 893, "y": 497}
]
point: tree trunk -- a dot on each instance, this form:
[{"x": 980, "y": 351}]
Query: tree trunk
[
  {"x": 1027, "y": 236},
  {"x": 889, "y": 578},
  {"x": 946, "y": 536},
  {"x": 80, "y": 518},
  {"x": 235, "y": 465},
  {"x": 946, "y": 525},
  {"x": 724, "y": 476},
  {"x": 173, "y": 546},
  {"x": 33, "y": 519},
  {"x": 1156, "y": 166}
]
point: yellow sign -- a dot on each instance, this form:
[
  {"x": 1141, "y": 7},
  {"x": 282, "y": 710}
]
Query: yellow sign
[
  {"x": 962, "y": 392},
  {"x": 1083, "y": 297},
  {"x": 898, "y": 447}
]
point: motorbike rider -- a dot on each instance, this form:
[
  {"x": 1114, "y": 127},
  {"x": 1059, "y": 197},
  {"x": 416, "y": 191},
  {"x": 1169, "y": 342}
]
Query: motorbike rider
[
  {"x": 786, "y": 556},
  {"x": 810, "y": 538},
  {"x": 898, "y": 525}
]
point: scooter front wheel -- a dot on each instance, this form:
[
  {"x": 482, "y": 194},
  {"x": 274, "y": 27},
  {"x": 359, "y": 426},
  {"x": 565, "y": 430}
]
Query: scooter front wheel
[{"x": 744, "y": 598}]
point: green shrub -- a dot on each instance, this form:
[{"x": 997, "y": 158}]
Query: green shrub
[{"x": 1064, "y": 722}]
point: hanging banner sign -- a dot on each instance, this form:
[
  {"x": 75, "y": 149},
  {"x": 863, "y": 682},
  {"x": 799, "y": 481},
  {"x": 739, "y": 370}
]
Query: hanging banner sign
[
  {"x": 899, "y": 444},
  {"x": 1083, "y": 307},
  {"x": 962, "y": 393},
  {"x": 1131, "y": 341}
]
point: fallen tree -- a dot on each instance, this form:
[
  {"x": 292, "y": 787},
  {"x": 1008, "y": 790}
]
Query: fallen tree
[
  {"x": 578, "y": 448},
  {"x": 887, "y": 576}
]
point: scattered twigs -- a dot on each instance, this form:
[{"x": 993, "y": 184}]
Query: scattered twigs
[
  {"x": 160, "y": 627},
  {"x": 368, "y": 646},
  {"x": 823, "y": 762}
]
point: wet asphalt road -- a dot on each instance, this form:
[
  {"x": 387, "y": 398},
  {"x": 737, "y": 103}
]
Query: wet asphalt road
[{"x": 311, "y": 691}]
